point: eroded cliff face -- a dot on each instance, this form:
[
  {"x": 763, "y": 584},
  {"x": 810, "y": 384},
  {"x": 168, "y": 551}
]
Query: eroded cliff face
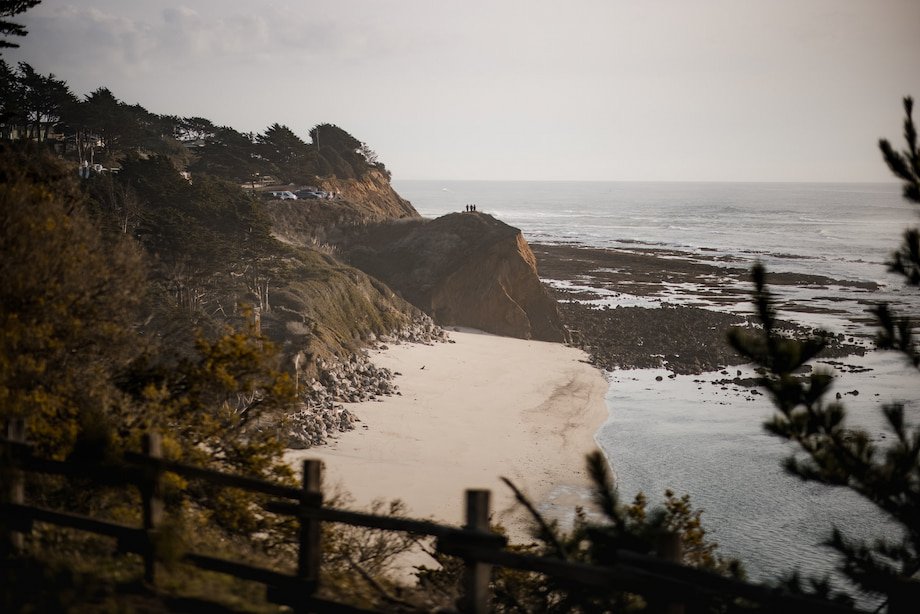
[
  {"x": 321, "y": 223},
  {"x": 466, "y": 269},
  {"x": 373, "y": 194}
]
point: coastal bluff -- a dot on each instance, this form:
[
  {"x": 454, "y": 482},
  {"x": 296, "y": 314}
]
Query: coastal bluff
[
  {"x": 463, "y": 269},
  {"x": 372, "y": 196},
  {"x": 369, "y": 199}
]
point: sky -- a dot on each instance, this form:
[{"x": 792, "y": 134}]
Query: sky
[{"x": 640, "y": 90}]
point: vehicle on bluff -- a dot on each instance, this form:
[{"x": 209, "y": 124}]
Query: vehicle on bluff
[
  {"x": 283, "y": 195},
  {"x": 309, "y": 193}
]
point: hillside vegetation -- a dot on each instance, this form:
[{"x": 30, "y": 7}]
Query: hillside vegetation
[
  {"x": 145, "y": 288},
  {"x": 173, "y": 184}
]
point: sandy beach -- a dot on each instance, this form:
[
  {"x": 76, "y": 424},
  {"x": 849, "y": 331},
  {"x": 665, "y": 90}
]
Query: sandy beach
[{"x": 470, "y": 412}]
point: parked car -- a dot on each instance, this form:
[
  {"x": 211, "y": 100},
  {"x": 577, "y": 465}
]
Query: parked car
[
  {"x": 284, "y": 195},
  {"x": 308, "y": 194}
]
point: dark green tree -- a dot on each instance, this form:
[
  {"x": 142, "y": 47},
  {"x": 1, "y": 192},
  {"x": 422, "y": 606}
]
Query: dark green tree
[
  {"x": 897, "y": 331},
  {"x": 330, "y": 135},
  {"x": 43, "y": 101},
  {"x": 287, "y": 151},
  {"x": 102, "y": 118},
  {"x": 194, "y": 128},
  {"x": 67, "y": 302},
  {"x": 226, "y": 153},
  {"x": 830, "y": 451},
  {"x": 341, "y": 168},
  {"x": 11, "y": 8},
  {"x": 11, "y": 113},
  {"x": 72, "y": 361},
  {"x": 347, "y": 156}
]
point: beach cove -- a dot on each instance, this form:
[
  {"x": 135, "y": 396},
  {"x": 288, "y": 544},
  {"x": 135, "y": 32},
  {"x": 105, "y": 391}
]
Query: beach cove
[{"x": 468, "y": 413}]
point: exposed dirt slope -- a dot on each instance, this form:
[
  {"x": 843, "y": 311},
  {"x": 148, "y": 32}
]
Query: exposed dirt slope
[{"x": 373, "y": 194}]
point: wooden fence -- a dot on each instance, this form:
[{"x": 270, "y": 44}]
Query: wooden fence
[{"x": 671, "y": 587}]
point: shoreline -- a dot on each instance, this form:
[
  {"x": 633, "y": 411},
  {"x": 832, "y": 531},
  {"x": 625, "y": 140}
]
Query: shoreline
[
  {"x": 469, "y": 412},
  {"x": 651, "y": 308},
  {"x": 685, "y": 414}
]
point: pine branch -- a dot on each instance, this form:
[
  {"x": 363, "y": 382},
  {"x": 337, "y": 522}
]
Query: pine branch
[
  {"x": 910, "y": 137},
  {"x": 896, "y": 334},
  {"x": 546, "y": 530},
  {"x": 605, "y": 496}
]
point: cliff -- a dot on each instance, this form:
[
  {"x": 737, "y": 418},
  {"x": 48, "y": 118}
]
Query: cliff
[
  {"x": 322, "y": 308},
  {"x": 466, "y": 269},
  {"x": 372, "y": 195},
  {"x": 317, "y": 222}
]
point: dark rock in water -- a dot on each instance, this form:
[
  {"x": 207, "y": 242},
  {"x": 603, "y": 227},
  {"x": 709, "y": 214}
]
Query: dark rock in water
[
  {"x": 684, "y": 340},
  {"x": 466, "y": 269}
]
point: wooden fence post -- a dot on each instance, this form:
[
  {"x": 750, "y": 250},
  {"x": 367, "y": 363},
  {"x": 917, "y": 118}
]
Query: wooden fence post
[
  {"x": 668, "y": 547},
  {"x": 310, "y": 554},
  {"x": 152, "y": 496},
  {"x": 12, "y": 541},
  {"x": 475, "y": 597}
]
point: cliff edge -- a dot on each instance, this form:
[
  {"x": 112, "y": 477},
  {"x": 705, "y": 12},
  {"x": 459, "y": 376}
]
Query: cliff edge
[
  {"x": 313, "y": 222},
  {"x": 372, "y": 194},
  {"x": 464, "y": 269}
]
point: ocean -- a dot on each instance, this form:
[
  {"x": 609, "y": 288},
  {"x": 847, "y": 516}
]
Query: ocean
[{"x": 684, "y": 433}]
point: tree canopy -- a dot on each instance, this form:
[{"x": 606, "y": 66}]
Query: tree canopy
[
  {"x": 72, "y": 305},
  {"x": 11, "y": 8},
  {"x": 66, "y": 304},
  {"x": 100, "y": 128}
]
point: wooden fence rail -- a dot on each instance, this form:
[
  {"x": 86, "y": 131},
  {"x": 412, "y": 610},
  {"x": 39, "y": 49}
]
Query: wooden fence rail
[{"x": 667, "y": 584}]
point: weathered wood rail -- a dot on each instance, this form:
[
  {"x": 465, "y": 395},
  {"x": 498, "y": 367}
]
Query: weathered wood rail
[{"x": 668, "y": 585}]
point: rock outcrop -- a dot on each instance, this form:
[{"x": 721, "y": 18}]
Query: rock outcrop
[
  {"x": 322, "y": 223},
  {"x": 373, "y": 194},
  {"x": 466, "y": 269},
  {"x": 354, "y": 380}
]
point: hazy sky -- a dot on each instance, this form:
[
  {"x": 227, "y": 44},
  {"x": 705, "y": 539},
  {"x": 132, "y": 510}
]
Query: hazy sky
[{"x": 718, "y": 90}]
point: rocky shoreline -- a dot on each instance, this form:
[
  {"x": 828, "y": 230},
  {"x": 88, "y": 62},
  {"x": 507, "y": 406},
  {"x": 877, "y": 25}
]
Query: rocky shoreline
[
  {"x": 322, "y": 413},
  {"x": 683, "y": 330},
  {"x": 683, "y": 313}
]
